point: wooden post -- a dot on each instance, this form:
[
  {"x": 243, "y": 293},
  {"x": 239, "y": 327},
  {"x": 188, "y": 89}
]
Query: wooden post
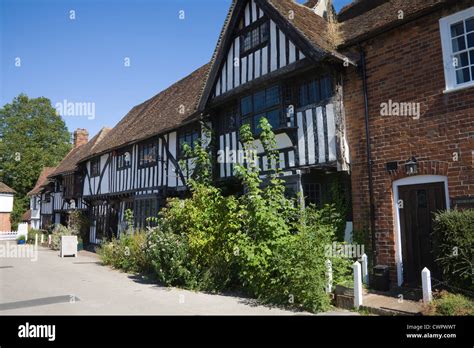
[
  {"x": 357, "y": 285},
  {"x": 365, "y": 273},
  {"x": 329, "y": 276},
  {"x": 426, "y": 284},
  {"x": 42, "y": 238}
]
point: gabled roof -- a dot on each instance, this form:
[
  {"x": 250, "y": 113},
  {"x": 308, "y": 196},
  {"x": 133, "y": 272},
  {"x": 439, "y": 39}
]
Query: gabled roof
[
  {"x": 364, "y": 18},
  {"x": 26, "y": 216},
  {"x": 309, "y": 32},
  {"x": 69, "y": 163},
  {"x": 42, "y": 180},
  {"x": 308, "y": 24},
  {"x": 169, "y": 109},
  {"x": 5, "y": 189}
]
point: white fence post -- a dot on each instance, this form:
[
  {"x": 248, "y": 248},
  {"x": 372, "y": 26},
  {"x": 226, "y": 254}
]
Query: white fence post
[
  {"x": 36, "y": 240},
  {"x": 357, "y": 285},
  {"x": 329, "y": 276},
  {"x": 365, "y": 273},
  {"x": 426, "y": 284},
  {"x": 42, "y": 238}
]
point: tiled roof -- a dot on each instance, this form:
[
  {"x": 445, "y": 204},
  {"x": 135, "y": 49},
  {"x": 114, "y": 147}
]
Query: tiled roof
[
  {"x": 364, "y": 19},
  {"x": 312, "y": 26},
  {"x": 26, "y": 215},
  {"x": 69, "y": 163},
  {"x": 5, "y": 189},
  {"x": 42, "y": 180},
  {"x": 167, "y": 110}
]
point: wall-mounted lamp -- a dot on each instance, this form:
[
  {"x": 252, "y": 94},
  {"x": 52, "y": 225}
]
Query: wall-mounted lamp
[{"x": 411, "y": 166}]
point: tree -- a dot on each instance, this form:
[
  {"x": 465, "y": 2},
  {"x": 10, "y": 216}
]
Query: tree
[{"x": 32, "y": 136}]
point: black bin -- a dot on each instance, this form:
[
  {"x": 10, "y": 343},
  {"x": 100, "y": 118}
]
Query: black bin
[{"x": 381, "y": 281}]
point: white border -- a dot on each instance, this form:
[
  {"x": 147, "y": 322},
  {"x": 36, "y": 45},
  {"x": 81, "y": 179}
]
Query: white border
[{"x": 412, "y": 180}]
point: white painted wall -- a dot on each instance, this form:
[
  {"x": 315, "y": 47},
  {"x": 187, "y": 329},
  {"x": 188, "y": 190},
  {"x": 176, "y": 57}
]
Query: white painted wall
[
  {"x": 6, "y": 202},
  {"x": 260, "y": 62},
  {"x": 35, "y": 213}
]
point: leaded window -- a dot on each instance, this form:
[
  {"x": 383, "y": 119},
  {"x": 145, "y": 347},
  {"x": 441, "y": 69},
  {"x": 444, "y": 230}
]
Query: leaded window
[{"x": 264, "y": 103}]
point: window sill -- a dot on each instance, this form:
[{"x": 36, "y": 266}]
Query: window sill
[
  {"x": 149, "y": 165},
  {"x": 458, "y": 88}
]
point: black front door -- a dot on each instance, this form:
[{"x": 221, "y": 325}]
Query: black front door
[{"x": 417, "y": 203}]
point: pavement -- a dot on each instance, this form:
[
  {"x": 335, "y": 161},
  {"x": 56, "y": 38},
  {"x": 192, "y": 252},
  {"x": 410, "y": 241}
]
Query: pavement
[
  {"x": 390, "y": 305},
  {"x": 80, "y": 285}
]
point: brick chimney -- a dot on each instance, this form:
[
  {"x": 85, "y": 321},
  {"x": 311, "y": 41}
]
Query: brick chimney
[{"x": 81, "y": 137}]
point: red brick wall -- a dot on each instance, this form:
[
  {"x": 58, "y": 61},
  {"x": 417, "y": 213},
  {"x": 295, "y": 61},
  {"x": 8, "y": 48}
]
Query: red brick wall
[
  {"x": 5, "y": 225},
  {"x": 406, "y": 65}
]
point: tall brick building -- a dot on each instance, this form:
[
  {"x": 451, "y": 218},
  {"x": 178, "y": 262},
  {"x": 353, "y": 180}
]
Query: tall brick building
[{"x": 416, "y": 61}]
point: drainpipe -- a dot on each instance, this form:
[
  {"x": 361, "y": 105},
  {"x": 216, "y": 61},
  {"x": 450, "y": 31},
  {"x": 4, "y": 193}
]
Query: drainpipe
[{"x": 369, "y": 153}]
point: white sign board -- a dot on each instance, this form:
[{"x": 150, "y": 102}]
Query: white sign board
[{"x": 68, "y": 246}]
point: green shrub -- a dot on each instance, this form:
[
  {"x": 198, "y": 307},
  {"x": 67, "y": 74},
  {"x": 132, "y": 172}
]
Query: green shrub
[
  {"x": 31, "y": 235},
  {"x": 454, "y": 240},
  {"x": 127, "y": 253},
  {"x": 209, "y": 221},
  {"x": 58, "y": 231},
  {"x": 168, "y": 253},
  {"x": 21, "y": 238},
  {"x": 79, "y": 224},
  {"x": 261, "y": 241},
  {"x": 299, "y": 263},
  {"x": 449, "y": 304}
]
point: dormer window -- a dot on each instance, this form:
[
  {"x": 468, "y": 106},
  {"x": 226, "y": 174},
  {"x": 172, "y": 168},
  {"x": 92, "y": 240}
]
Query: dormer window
[{"x": 457, "y": 38}]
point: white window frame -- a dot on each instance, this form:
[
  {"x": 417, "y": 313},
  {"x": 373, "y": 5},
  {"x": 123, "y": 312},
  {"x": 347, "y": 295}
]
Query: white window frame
[{"x": 446, "y": 43}]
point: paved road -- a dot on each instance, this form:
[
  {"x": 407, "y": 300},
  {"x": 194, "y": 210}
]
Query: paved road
[{"x": 81, "y": 285}]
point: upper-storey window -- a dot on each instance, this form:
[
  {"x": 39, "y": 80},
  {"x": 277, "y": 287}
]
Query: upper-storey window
[
  {"x": 254, "y": 37},
  {"x": 188, "y": 136},
  {"x": 314, "y": 91},
  {"x": 147, "y": 154},
  {"x": 265, "y": 103},
  {"x": 228, "y": 118},
  {"x": 95, "y": 167},
  {"x": 124, "y": 160},
  {"x": 457, "y": 38}
]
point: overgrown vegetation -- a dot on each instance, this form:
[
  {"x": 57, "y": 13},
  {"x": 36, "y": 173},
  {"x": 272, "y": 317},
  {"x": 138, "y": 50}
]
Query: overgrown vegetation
[
  {"x": 262, "y": 242},
  {"x": 58, "y": 232},
  {"x": 446, "y": 303},
  {"x": 126, "y": 253},
  {"x": 79, "y": 224},
  {"x": 454, "y": 240}
]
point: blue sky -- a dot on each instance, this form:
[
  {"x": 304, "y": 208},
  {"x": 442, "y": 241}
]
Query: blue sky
[{"x": 83, "y": 60}]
